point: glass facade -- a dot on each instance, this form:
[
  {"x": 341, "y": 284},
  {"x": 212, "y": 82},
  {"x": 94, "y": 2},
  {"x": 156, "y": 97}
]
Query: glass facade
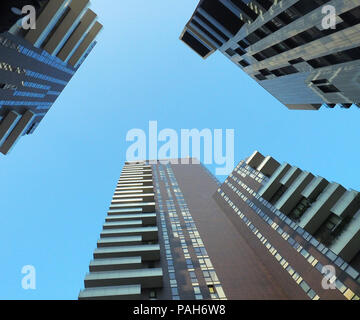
[
  {"x": 280, "y": 45},
  {"x": 176, "y": 217}
]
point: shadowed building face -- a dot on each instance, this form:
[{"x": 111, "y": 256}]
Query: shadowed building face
[
  {"x": 289, "y": 47},
  {"x": 305, "y": 224},
  {"x": 36, "y": 64},
  {"x": 10, "y": 11}
]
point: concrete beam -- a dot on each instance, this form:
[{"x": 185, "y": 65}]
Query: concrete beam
[
  {"x": 76, "y": 36},
  {"x": 67, "y": 25},
  {"x": 90, "y": 37},
  {"x": 17, "y": 132},
  {"x": 268, "y": 166}
]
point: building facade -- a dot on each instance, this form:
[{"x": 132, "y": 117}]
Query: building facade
[
  {"x": 307, "y": 226},
  {"x": 173, "y": 231},
  {"x": 150, "y": 223},
  {"x": 38, "y": 61},
  {"x": 306, "y": 53}
]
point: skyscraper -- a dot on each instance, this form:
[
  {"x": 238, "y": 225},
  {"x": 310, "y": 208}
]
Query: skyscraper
[
  {"x": 307, "y": 225},
  {"x": 306, "y": 53},
  {"x": 38, "y": 61},
  {"x": 270, "y": 231}
]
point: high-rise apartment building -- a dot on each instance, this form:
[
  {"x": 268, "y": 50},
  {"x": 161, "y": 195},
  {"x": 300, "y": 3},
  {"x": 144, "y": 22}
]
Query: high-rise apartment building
[
  {"x": 270, "y": 231},
  {"x": 38, "y": 61},
  {"x": 306, "y": 53},
  {"x": 307, "y": 226}
]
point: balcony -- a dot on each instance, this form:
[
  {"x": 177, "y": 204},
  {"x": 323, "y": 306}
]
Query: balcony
[
  {"x": 131, "y": 189},
  {"x": 347, "y": 243},
  {"x": 128, "y": 194},
  {"x": 130, "y": 292},
  {"x": 273, "y": 185},
  {"x": 292, "y": 196},
  {"x": 120, "y": 186},
  {"x": 147, "y": 278},
  {"x": 255, "y": 160},
  {"x": 147, "y": 233},
  {"x": 12, "y": 128},
  {"x": 147, "y": 252},
  {"x": 109, "y": 264},
  {"x": 319, "y": 211},
  {"x": 7, "y": 124},
  {"x": 290, "y": 176},
  {"x": 124, "y": 211},
  {"x": 133, "y": 198},
  {"x": 268, "y": 166},
  {"x": 347, "y": 205},
  {"x": 133, "y": 183},
  {"x": 147, "y": 219},
  {"x": 136, "y": 172},
  {"x": 130, "y": 176},
  {"x": 122, "y": 224},
  {"x": 146, "y": 206},
  {"x": 119, "y": 241},
  {"x": 316, "y": 186}
]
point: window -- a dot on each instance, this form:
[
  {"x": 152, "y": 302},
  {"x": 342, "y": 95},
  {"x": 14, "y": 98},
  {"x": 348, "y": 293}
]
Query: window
[
  {"x": 260, "y": 77},
  {"x": 223, "y": 15},
  {"x": 230, "y": 52},
  {"x": 320, "y": 81},
  {"x": 8, "y": 86},
  {"x": 284, "y": 71},
  {"x": 198, "y": 25},
  {"x": 197, "y": 290},
  {"x": 207, "y": 22},
  {"x": 345, "y": 105},
  {"x": 211, "y": 289},
  {"x": 295, "y": 61},
  {"x": 304, "y": 286},
  {"x": 265, "y": 3},
  {"x": 243, "y": 43},
  {"x": 329, "y": 88},
  {"x": 351, "y": 17},
  {"x": 352, "y": 272},
  {"x": 307, "y": 6},
  {"x": 239, "y": 51},
  {"x": 245, "y": 8},
  {"x": 195, "y": 44},
  {"x": 244, "y": 63},
  {"x": 336, "y": 58}
]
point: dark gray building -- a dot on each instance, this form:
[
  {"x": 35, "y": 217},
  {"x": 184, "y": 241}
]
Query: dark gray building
[
  {"x": 36, "y": 64},
  {"x": 174, "y": 232},
  {"x": 291, "y": 48}
]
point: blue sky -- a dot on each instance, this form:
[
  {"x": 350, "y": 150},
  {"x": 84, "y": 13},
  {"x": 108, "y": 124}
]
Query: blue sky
[{"x": 56, "y": 184}]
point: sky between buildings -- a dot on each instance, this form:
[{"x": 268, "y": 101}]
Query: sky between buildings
[{"x": 57, "y": 184}]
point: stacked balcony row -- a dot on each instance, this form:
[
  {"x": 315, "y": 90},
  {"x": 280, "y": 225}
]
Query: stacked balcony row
[
  {"x": 65, "y": 29},
  {"x": 12, "y": 127},
  {"x": 327, "y": 210},
  {"x": 127, "y": 252}
]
